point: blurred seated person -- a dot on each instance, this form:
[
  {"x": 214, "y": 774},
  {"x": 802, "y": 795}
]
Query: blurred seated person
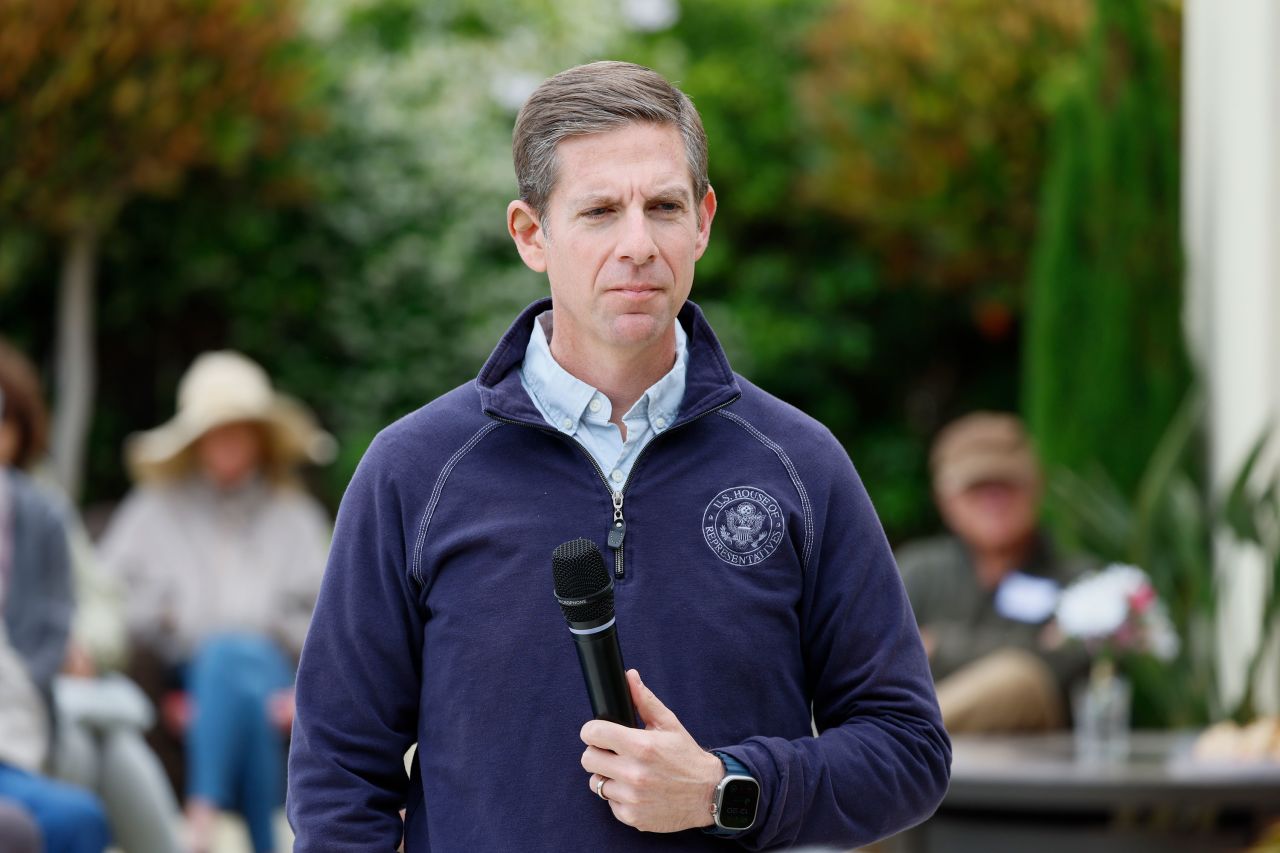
[
  {"x": 18, "y": 830},
  {"x": 985, "y": 594},
  {"x": 222, "y": 552},
  {"x": 35, "y": 614},
  {"x": 100, "y": 716},
  {"x": 66, "y": 819}
]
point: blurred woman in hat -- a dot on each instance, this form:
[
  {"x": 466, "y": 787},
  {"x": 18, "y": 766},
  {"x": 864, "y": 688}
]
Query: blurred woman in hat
[{"x": 222, "y": 554}]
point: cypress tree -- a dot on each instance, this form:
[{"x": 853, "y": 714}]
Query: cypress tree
[{"x": 1105, "y": 365}]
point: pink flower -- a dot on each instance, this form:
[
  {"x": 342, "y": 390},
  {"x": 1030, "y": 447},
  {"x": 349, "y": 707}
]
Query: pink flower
[
  {"x": 1142, "y": 598},
  {"x": 1118, "y": 609}
]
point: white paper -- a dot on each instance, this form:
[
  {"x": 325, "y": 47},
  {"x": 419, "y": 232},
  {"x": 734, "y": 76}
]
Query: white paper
[{"x": 1027, "y": 598}]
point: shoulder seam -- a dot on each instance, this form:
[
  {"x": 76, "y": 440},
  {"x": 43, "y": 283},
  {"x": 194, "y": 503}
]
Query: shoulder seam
[
  {"x": 416, "y": 569},
  {"x": 805, "y": 506}
]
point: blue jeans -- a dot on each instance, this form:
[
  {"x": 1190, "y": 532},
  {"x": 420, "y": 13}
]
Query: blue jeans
[
  {"x": 235, "y": 752},
  {"x": 70, "y": 818}
]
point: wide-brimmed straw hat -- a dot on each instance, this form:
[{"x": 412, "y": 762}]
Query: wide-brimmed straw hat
[
  {"x": 983, "y": 447},
  {"x": 221, "y": 388}
]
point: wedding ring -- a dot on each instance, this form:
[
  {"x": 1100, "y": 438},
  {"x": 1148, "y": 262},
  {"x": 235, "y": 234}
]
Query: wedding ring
[{"x": 600, "y": 788}]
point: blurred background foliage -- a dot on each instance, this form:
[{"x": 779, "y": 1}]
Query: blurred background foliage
[
  {"x": 881, "y": 169},
  {"x": 1104, "y": 303},
  {"x": 1179, "y": 529},
  {"x": 939, "y": 160},
  {"x": 107, "y": 100}
]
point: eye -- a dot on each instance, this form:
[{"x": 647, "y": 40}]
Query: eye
[
  {"x": 668, "y": 207},
  {"x": 595, "y": 212}
]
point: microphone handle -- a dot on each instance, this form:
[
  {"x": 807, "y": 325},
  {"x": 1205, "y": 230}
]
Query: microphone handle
[{"x": 601, "y": 660}]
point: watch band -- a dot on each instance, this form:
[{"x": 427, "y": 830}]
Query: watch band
[{"x": 732, "y": 767}]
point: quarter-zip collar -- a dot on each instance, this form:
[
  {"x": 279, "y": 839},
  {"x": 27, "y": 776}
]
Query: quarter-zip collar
[{"x": 709, "y": 382}]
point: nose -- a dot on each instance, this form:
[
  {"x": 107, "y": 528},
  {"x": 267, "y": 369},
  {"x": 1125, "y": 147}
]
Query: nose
[{"x": 635, "y": 243}]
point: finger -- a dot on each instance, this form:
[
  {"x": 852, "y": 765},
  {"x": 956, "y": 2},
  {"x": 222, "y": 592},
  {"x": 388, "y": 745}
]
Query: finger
[
  {"x": 619, "y": 792},
  {"x": 611, "y": 736},
  {"x": 650, "y": 708},
  {"x": 602, "y": 761},
  {"x": 615, "y": 791}
]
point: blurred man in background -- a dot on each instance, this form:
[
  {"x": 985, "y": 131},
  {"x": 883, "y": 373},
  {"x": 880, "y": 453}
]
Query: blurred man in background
[{"x": 985, "y": 594}]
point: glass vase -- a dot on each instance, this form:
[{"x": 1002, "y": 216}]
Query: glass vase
[{"x": 1101, "y": 709}]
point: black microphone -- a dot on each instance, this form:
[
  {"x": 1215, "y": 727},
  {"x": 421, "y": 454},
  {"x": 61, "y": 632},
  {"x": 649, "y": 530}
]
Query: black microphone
[{"x": 584, "y": 589}]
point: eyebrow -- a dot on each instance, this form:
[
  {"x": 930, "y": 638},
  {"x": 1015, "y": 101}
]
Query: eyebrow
[{"x": 674, "y": 192}]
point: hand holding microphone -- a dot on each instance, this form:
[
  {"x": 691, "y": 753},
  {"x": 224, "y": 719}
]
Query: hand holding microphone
[{"x": 657, "y": 779}]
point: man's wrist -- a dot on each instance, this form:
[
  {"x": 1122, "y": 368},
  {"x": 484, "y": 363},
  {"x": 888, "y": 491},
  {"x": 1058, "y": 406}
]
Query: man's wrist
[
  {"x": 714, "y": 773},
  {"x": 735, "y": 799}
]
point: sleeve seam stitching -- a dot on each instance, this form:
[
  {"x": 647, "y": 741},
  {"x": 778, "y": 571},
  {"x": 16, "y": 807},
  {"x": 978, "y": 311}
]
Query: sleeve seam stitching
[
  {"x": 791, "y": 471},
  {"x": 427, "y": 513}
]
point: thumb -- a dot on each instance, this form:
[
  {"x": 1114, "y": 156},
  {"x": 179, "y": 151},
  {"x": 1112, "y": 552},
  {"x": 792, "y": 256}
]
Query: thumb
[{"x": 652, "y": 712}]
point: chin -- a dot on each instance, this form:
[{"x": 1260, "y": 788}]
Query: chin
[{"x": 637, "y": 329}]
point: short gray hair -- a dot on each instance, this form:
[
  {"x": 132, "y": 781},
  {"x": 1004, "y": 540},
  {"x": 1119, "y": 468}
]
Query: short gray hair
[{"x": 597, "y": 98}]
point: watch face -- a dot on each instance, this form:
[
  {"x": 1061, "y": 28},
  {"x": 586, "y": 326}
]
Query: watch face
[{"x": 738, "y": 804}]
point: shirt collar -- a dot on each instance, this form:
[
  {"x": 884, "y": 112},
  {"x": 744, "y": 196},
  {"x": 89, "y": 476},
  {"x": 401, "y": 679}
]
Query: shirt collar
[
  {"x": 564, "y": 399},
  {"x": 710, "y": 382}
]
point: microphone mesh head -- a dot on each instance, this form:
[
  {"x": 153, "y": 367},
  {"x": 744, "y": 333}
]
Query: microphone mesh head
[{"x": 579, "y": 571}]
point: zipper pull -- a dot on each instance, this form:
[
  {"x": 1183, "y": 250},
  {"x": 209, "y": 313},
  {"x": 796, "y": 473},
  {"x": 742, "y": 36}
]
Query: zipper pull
[{"x": 619, "y": 527}]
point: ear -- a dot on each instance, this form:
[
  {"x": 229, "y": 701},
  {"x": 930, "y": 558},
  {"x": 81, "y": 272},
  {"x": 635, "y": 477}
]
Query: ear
[
  {"x": 526, "y": 231},
  {"x": 707, "y": 211}
]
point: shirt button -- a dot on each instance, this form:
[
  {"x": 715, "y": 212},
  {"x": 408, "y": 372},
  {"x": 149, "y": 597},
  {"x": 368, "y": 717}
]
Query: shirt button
[
  {"x": 595, "y": 405},
  {"x": 567, "y": 423},
  {"x": 660, "y": 422},
  {"x": 617, "y": 476}
]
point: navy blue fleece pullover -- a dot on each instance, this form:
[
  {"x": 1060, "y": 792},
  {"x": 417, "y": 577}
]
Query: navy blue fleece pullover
[{"x": 753, "y": 584}]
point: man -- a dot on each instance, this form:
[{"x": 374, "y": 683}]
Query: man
[
  {"x": 985, "y": 595},
  {"x": 752, "y": 580}
]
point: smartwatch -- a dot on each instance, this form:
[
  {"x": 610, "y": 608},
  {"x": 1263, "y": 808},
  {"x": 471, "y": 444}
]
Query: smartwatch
[{"x": 733, "y": 807}]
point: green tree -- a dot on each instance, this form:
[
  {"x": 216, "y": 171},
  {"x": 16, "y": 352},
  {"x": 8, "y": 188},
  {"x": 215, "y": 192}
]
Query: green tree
[
  {"x": 1105, "y": 366},
  {"x": 105, "y": 100},
  {"x": 933, "y": 123}
]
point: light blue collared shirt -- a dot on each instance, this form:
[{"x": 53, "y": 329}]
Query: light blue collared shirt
[{"x": 576, "y": 409}]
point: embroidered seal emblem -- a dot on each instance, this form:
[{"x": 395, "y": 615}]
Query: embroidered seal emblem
[{"x": 743, "y": 525}]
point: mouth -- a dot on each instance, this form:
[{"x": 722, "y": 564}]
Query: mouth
[{"x": 636, "y": 291}]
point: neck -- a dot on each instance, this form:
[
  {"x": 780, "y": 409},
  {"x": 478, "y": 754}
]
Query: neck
[
  {"x": 993, "y": 564},
  {"x": 622, "y": 375}
]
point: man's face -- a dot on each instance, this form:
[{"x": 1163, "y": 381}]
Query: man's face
[
  {"x": 992, "y": 516},
  {"x": 620, "y": 239}
]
